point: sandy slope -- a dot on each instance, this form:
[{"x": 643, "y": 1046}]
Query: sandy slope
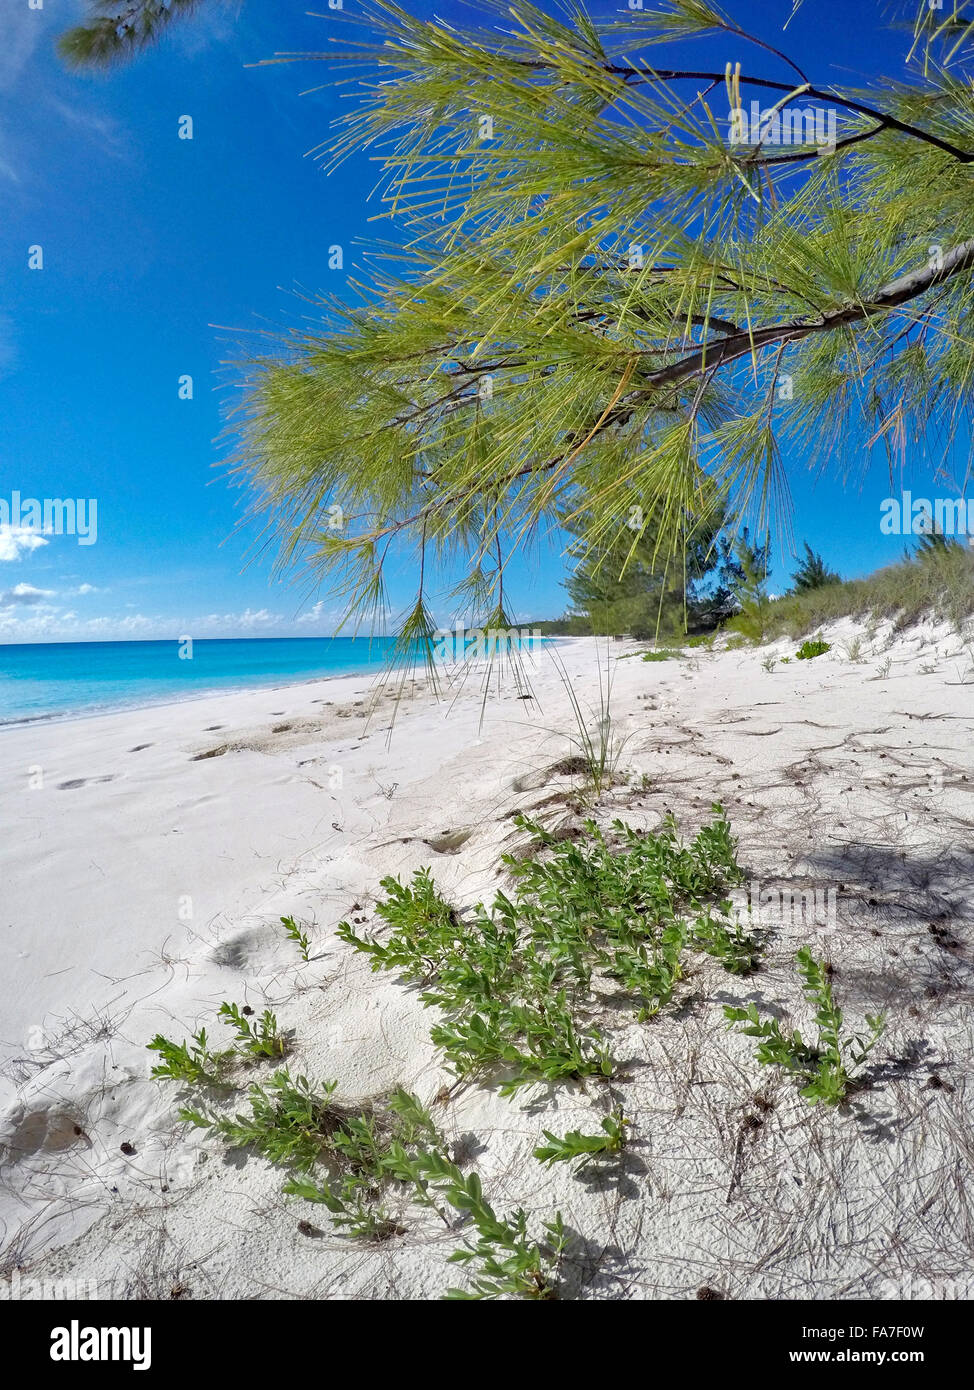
[{"x": 143, "y": 883}]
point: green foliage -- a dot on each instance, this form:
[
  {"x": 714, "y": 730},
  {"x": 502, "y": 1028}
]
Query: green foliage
[
  {"x": 731, "y": 945},
  {"x": 298, "y": 936},
  {"x": 750, "y": 590},
  {"x": 640, "y": 578},
  {"x": 585, "y": 1147},
  {"x": 934, "y": 544},
  {"x": 824, "y": 1070},
  {"x": 515, "y": 982},
  {"x": 367, "y": 1155},
  {"x": 937, "y": 581},
  {"x": 813, "y": 573},
  {"x": 812, "y": 648},
  {"x": 289, "y": 1124},
  {"x": 509, "y": 1263},
  {"x": 425, "y": 928},
  {"x": 367, "y": 1151},
  {"x": 258, "y": 1039},
  {"x": 193, "y": 1063},
  {"x": 664, "y": 654},
  {"x": 115, "y": 30}
]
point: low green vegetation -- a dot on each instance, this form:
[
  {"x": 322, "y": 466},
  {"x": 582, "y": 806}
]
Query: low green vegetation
[
  {"x": 936, "y": 580},
  {"x": 826, "y": 1069},
  {"x": 356, "y": 1161},
  {"x": 608, "y": 916},
  {"x": 812, "y": 648},
  {"x": 298, "y": 936},
  {"x": 507, "y": 1260},
  {"x": 259, "y": 1039},
  {"x": 192, "y": 1062},
  {"x": 518, "y": 985},
  {"x": 664, "y": 654},
  {"x": 289, "y": 1123},
  {"x": 585, "y": 1147},
  {"x": 195, "y": 1063}
]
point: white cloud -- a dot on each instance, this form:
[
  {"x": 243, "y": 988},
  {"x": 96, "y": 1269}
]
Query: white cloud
[
  {"x": 315, "y": 614},
  {"x": 27, "y": 616},
  {"x": 14, "y": 539},
  {"x": 22, "y": 31},
  {"x": 24, "y": 594},
  {"x": 249, "y": 618},
  {"x": 101, "y": 129}
]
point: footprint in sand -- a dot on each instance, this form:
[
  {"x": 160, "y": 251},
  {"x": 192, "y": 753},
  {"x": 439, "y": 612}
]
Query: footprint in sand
[
  {"x": 139, "y": 747},
  {"x": 449, "y": 842},
  {"x": 75, "y": 782},
  {"x": 42, "y": 1130},
  {"x": 212, "y": 728}
]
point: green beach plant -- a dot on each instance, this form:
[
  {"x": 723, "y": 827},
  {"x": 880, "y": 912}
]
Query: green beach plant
[
  {"x": 259, "y": 1039},
  {"x": 290, "y": 1124},
  {"x": 825, "y": 1070},
  {"x": 508, "y": 1262},
  {"x": 191, "y": 1062},
  {"x": 369, "y": 1154},
  {"x": 583, "y": 1148},
  {"x": 298, "y": 936},
  {"x": 811, "y": 648},
  {"x": 515, "y": 983},
  {"x": 196, "y": 1064},
  {"x": 368, "y": 1150}
]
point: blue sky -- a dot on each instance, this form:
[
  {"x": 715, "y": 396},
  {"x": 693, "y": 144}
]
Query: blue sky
[{"x": 149, "y": 242}]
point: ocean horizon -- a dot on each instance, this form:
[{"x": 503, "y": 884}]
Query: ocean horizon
[{"x": 57, "y": 680}]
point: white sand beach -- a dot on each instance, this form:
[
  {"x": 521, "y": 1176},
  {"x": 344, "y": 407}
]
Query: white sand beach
[{"x": 148, "y": 856}]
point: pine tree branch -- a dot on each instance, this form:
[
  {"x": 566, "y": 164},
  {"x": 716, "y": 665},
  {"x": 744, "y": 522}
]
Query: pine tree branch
[
  {"x": 719, "y": 351},
  {"x": 883, "y": 118}
]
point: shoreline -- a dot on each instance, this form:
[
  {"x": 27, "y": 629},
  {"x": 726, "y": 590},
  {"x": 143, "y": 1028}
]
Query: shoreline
[
  {"x": 95, "y": 712},
  {"x": 105, "y": 711}
]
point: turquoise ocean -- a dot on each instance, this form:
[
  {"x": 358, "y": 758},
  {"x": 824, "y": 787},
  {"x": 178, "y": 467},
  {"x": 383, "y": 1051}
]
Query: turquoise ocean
[{"x": 50, "y": 680}]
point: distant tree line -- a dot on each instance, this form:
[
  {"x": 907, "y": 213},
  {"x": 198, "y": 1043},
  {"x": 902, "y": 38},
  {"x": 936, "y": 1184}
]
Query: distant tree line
[{"x": 639, "y": 586}]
